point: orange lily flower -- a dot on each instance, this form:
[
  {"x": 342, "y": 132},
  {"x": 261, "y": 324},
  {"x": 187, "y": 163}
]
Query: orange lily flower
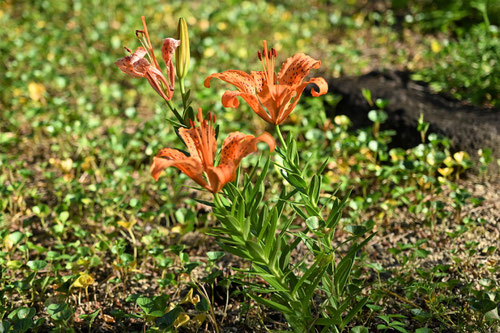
[
  {"x": 202, "y": 146},
  {"x": 136, "y": 65},
  {"x": 272, "y": 97}
]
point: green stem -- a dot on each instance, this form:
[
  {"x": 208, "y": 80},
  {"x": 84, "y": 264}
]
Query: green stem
[
  {"x": 185, "y": 103},
  {"x": 182, "y": 87},
  {"x": 280, "y": 136}
]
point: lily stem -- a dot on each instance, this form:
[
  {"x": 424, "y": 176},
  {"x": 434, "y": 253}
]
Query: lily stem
[
  {"x": 182, "y": 87},
  {"x": 280, "y": 136}
]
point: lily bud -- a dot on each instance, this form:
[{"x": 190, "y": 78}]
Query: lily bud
[{"x": 182, "y": 54}]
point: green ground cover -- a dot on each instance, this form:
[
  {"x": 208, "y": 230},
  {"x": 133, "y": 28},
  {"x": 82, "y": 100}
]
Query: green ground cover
[{"x": 90, "y": 242}]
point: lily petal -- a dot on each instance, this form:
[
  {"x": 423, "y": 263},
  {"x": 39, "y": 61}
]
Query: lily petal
[
  {"x": 296, "y": 68},
  {"x": 167, "y": 52},
  {"x": 318, "y": 81},
  {"x": 230, "y": 100},
  {"x": 321, "y": 84},
  {"x": 191, "y": 166},
  {"x": 134, "y": 64},
  {"x": 236, "y": 146},
  {"x": 241, "y": 80},
  {"x": 156, "y": 80}
]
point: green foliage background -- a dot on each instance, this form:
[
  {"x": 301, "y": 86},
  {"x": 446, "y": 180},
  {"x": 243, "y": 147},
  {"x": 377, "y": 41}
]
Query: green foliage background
[{"x": 77, "y": 135}]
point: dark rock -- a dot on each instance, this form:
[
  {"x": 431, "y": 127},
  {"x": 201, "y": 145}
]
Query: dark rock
[{"x": 468, "y": 127}]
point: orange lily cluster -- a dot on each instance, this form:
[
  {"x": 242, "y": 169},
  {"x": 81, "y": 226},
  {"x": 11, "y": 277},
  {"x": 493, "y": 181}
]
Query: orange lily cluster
[
  {"x": 202, "y": 147},
  {"x": 272, "y": 97},
  {"x": 136, "y": 65}
]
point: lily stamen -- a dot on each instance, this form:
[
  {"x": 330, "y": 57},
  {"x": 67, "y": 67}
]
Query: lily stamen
[{"x": 150, "y": 46}]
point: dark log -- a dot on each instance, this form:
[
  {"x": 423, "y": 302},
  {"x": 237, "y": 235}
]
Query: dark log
[{"x": 468, "y": 127}]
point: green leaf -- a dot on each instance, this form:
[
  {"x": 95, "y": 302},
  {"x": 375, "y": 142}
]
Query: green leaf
[
  {"x": 399, "y": 328},
  {"x": 328, "y": 322},
  {"x": 236, "y": 251},
  {"x": 59, "y": 312},
  {"x": 36, "y": 265},
  {"x": 256, "y": 251},
  {"x": 15, "y": 237},
  {"x": 483, "y": 305},
  {"x": 345, "y": 265},
  {"x": 215, "y": 255},
  {"x": 202, "y": 305},
  {"x": 63, "y": 217},
  {"x": 367, "y": 94},
  {"x": 355, "y": 309},
  {"x": 313, "y": 223},
  {"x": 297, "y": 181},
  {"x": 299, "y": 211},
  {"x": 356, "y": 230},
  {"x": 175, "y": 123},
  {"x": 314, "y": 189},
  {"x": 271, "y": 233},
  {"x": 307, "y": 274},
  {"x": 146, "y": 304},
  {"x": 90, "y": 317},
  {"x": 492, "y": 315},
  {"x": 26, "y": 313},
  {"x": 4, "y": 326},
  {"x": 23, "y": 325},
  {"x": 260, "y": 180},
  {"x": 166, "y": 321},
  {"x": 262, "y": 222},
  {"x": 272, "y": 304}
]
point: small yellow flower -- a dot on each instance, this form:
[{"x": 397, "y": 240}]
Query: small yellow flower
[
  {"x": 221, "y": 26},
  {"x": 36, "y": 91},
  {"x": 127, "y": 224},
  {"x": 199, "y": 319},
  {"x": 83, "y": 281},
  {"x": 445, "y": 171},
  {"x": 461, "y": 156},
  {"x": 66, "y": 165},
  {"x": 435, "y": 46},
  {"x": 190, "y": 299},
  {"x": 171, "y": 306},
  {"x": 182, "y": 320},
  {"x": 8, "y": 243},
  {"x": 449, "y": 162},
  {"x": 88, "y": 163},
  {"x": 424, "y": 182}
]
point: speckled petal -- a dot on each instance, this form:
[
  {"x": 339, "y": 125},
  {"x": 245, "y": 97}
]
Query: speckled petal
[
  {"x": 241, "y": 80},
  {"x": 236, "y": 146},
  {"x": 296, "y": 68},
  {"x": 230, "y": 100},
  {"x": 191, "y": 166},
  {"x": 318, "y": 81}
]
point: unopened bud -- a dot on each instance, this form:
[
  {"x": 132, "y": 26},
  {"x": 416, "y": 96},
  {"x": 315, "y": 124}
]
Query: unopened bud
[{"x": 182, "y": 53}]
